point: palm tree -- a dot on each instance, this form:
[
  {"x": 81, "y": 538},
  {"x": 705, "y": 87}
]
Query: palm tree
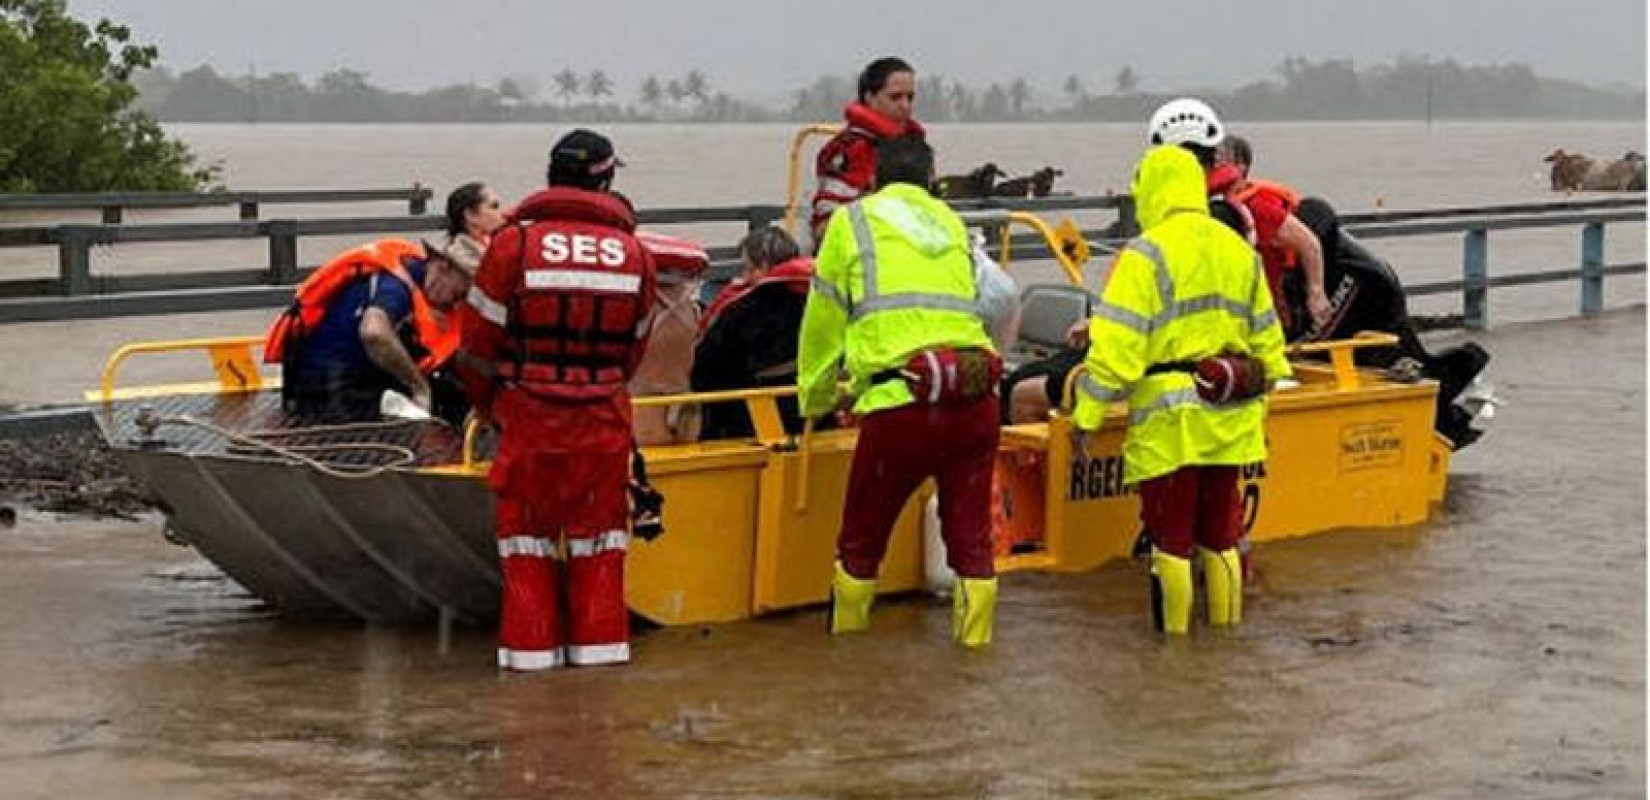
[
  {"x": 1074, "y": 87},
  {"x": 652, "y": 92},
  {"x": 1018, "y": 93},
  {"x": 1126, "y": 82},
  {"x": 567, "y": 85},
  {"x": 962, "y": 101},
  {"x": 598, "y": 85},
  {"x": 994, "y": 104},
  {"x": 675, "y": 91},
  {"x": 696, "y": 85}
]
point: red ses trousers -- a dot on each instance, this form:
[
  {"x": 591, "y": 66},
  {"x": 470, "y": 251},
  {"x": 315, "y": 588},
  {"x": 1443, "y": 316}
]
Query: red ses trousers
[
  {"x": 561, "y": 520},
  {"x": 956, "y": 444}
]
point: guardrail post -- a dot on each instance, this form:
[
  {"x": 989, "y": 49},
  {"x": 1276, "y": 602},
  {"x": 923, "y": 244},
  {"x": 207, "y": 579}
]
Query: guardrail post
[
  {"x": 112, "y": 215},
  {"x": 74, "y": 259},
  {"x": 1128, "y": 226},
  {"x": 1592, "y": 268},
  {"x": 249, "y": 209},
  {"x": 418, "y": 203},
  {"x": 283, "y": 250},
  {"x": 762, "y": 216},
  {"x": 1475, "y": 279}
]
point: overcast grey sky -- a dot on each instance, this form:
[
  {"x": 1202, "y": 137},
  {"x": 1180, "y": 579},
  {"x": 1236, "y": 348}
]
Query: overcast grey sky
[{"x": 766, "y": 48}]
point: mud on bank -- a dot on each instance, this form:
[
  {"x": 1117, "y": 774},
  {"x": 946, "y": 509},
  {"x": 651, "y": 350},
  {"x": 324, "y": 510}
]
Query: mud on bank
[{"x": 71, "y": 471}]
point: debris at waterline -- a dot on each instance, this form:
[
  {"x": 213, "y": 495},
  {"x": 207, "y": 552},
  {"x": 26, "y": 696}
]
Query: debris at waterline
[{"x": 67, "y": 472}]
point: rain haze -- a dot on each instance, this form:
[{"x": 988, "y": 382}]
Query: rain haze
[{"x": 763, "y": 50}]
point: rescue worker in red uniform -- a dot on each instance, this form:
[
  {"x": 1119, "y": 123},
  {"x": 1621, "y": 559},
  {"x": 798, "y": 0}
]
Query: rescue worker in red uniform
[
  {"x": 846, "y": 166},
  {"x": 557, "y": 322}
]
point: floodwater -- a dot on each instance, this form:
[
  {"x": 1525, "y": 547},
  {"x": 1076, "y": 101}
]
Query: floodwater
[{"x": 1498, "y": 651}]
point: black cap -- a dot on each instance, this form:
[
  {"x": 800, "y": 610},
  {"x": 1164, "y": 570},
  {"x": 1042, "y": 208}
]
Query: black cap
[{"x": 583, "y": 152}]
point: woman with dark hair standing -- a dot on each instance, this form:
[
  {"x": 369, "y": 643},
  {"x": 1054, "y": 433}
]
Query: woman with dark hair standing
[
  {"x": 474, "y": 211},
  {"x": 847, "y": 164}
]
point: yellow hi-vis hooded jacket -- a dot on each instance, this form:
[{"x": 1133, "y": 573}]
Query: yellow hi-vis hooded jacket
[
  {"x": 1186, "y": 289},
  {"x": 894, "y": 275}
]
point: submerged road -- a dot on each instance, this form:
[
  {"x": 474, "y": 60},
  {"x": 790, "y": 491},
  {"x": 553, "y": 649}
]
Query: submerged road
[{"x": 1498, "y": 651}]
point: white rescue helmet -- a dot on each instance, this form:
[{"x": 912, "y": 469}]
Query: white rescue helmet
[{"x": 1185, "y": 121}]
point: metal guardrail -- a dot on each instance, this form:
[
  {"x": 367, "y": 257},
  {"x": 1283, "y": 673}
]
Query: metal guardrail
[
  {"x": 113, "y": 205},
  {"x": 1475, "y": 280},
  {"x": 78, "y": 293}
]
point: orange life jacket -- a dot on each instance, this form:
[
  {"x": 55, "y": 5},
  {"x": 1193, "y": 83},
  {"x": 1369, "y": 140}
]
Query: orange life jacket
[
  {"x": 1251, "y": 187},
  {"x": 317, "y": 292},
  {"x": 1291, "y": 199}
]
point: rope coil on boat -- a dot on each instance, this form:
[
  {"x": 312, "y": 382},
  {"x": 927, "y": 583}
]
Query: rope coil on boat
[{"x": 300, "y": 453}]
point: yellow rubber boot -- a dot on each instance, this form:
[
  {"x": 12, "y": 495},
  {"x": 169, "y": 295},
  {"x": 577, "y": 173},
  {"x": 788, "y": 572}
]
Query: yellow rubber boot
[
  {"x": 1171, "y": 592},
  {"x": 973, "y": 611},
  {"x": 850, "y": 602},
  {"x": 1223, "y": 585}
]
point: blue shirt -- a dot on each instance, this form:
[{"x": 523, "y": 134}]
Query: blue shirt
[{"x": 333, "y": 351}]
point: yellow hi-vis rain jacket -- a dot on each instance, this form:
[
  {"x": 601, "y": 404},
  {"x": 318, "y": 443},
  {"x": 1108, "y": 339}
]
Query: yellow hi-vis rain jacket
[
  {"x": 894, "y": 275},
  {"x": 1186, "y": 289}
]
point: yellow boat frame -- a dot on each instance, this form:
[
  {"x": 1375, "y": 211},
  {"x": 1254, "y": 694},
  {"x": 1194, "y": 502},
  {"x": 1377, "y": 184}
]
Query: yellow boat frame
[{"x": 751, "y": 524}]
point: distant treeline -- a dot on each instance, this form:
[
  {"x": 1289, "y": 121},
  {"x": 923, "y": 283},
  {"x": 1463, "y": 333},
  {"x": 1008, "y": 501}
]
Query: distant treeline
[{"x": 1411, "y": 88}]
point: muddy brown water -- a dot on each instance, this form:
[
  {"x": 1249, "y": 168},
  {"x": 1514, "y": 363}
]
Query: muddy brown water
[{"x": 1497, "y": 651}]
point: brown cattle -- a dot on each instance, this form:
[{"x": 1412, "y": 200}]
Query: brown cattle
[
  {"x": 1618, "y": 176},
  {"x": 977, "y": 183},
  {"x": 1037, "y": 184},
  {"x": 1569, "y": 169}
]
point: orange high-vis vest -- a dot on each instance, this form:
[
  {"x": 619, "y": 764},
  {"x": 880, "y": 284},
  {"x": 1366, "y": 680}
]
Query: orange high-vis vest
[{"x": 316, "y": 293}]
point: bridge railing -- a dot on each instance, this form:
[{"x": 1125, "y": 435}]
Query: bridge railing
[
  {"x": 114, "y": 205},
  {"x": 1475, "y": 228},
  {"x": 78, "y": 292}
]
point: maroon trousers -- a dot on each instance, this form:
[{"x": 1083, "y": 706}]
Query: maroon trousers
[
  {"x": 1192, "y": 506},
  {"x": 898, "y": 448}
]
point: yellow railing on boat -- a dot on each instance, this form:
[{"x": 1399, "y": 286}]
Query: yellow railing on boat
[
  {"x": 793, "y": 187},
  {"x": 231, "y": 356},
  {"x": 1068, "y": 262}
]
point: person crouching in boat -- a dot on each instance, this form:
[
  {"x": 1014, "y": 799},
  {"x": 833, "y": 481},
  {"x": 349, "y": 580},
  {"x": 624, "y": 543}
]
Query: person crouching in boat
[
  {"x": 1289, "y": 249},
  {"x": 894, "y": 299},
  {"x": 370, "y": 320},
  {"x": 555, "y": 325},
  {"x": 846, "y": 166},
  {"x": 1184, "y": 331},
  {"x": 748, "y": 335}
]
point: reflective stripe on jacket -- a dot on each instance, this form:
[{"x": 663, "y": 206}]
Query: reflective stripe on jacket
[
  {"x": 560, "y": 300},
  {"x": 1187, "y": 289},
  {"x": 894, "y": 276}
]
